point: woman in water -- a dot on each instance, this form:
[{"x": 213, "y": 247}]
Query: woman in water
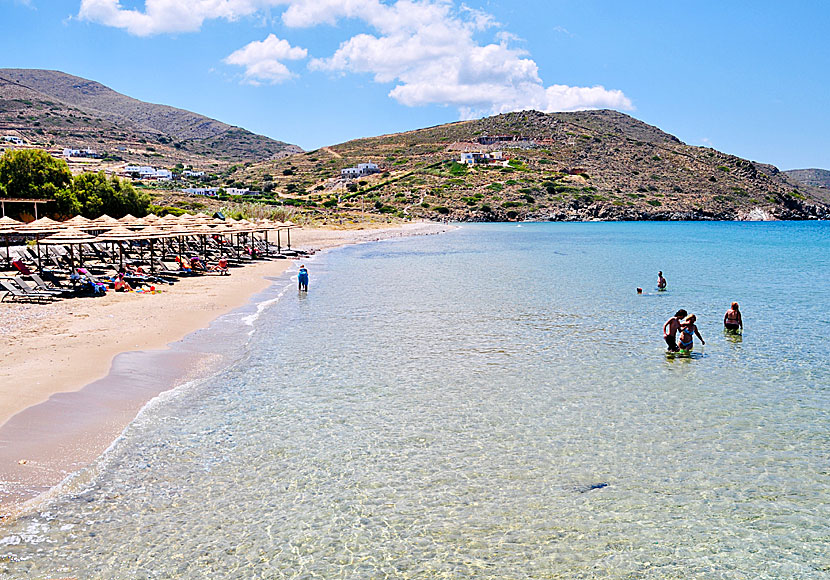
[
  {"x": 732, "y": 319},
  {"x": 688, "y": 330}
]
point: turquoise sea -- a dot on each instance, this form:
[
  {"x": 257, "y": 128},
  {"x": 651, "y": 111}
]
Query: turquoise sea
[{"x": 495, "y": 402}]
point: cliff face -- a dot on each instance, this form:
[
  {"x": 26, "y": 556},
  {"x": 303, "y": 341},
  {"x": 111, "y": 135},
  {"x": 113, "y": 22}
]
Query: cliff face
[
  {"x": 562, "y": 166},
  {"x": 53, "y": 108}
]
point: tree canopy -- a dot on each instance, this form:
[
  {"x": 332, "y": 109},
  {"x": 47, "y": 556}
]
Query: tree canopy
[
  {"x": 95, "y": 195},
  {"x": 34, "y": 174}
]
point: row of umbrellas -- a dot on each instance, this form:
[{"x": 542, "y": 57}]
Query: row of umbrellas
[{"x": 130, "y": 228}]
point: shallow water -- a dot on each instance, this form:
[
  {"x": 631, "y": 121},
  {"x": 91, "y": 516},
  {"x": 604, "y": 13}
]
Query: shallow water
[{"x": 493, "y": 402}]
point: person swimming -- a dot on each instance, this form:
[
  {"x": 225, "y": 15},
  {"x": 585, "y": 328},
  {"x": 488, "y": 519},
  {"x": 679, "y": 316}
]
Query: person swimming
[
  {"x": 661, "y": 282},
  {"x": 688, "y": 330},
  {"x": 732, "y": 319}
]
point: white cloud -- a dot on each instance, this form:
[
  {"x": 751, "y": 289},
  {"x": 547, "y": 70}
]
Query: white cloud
[
  {"x": 262, "y": 59},
  {"x": 428, "y": 49},
  {"x": 168, "y": 16}
]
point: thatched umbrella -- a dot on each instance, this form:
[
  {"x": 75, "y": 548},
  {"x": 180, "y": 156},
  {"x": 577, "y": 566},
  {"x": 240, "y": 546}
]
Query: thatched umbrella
[
  {"x": 119, "y": 235},
  {"x": 288, "y": 226},
  {"x": 152, "y": 233},
  {"x": 106, "y": 220},
  {"x": 37, "y": 228},
  {"x": 69, "y": 237},
  {"x": 7, "y": 226},
  {"x": 78, "y": 221}
]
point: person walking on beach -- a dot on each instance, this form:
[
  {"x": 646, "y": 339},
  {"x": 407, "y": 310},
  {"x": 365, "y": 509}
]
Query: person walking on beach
[
  {"x": 688, "y": 331},
  {"x": 732, "y": 319},
  {"x": 661, "y": 282},
  {"x": 670, "y": 330},
  {"x": 302, "y": 278}
]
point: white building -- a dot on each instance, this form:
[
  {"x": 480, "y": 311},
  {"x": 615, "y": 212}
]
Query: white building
[
  {"x": 80, "y": 153},
  {"x": 189, "y": 173},
  {"x": 478, "y": 157},
  {"x": 147, "y": 172},
  {"x": 361, "y": 170},
  {"x": 235, "y": 191},
  {"x": 13, "y": 139},
  {"x": 208, "y": 191}
]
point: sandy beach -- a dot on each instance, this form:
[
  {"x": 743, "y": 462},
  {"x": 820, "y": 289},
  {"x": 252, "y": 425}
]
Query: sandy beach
[{"x": 59, "y": 348}]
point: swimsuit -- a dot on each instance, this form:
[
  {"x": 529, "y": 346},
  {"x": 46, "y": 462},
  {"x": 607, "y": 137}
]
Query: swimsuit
[{"x": 686, "y": 345}]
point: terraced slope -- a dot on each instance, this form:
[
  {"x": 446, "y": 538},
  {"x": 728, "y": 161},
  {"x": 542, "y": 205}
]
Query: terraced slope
[{"x": 562, "y": 166}]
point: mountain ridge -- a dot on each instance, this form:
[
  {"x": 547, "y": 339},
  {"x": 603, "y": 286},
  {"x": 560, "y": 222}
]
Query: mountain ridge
[
  {"x": 582, "y": 165},
  {"x": 55, "y": 108}
]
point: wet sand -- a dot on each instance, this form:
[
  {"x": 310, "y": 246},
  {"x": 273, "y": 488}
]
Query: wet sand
[{"x": 76, "y": 372}]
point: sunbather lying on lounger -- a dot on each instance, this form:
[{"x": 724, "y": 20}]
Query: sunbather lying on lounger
[{"x": 221, "y": 267}]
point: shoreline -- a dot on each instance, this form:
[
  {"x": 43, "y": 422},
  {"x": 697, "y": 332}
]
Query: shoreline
[{"x": 64, "y": 397}]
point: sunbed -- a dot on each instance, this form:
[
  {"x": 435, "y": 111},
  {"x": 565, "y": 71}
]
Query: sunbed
[{"x": 16, "y": 293}]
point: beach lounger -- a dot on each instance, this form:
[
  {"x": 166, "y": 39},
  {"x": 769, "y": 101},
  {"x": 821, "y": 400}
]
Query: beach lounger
[
  {"x": 17, "y": 293},
  {"x": 24, "y": 285}
]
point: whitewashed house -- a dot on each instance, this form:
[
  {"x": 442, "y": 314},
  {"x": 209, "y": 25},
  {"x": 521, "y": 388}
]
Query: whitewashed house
[
  {"x": 208, "y": 191},
  {"x": 361, "y": 170}
]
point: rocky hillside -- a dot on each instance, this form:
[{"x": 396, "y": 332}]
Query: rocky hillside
[
  {"x": 562, "y": 166},
  {"x": 812, "y": 177},
  {"x": 54, "y": 109}
]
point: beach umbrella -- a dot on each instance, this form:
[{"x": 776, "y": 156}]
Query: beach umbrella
[
  {"x": 7, "y": 226},
  {"x": 78, "y": 221},
  {"x": 68, "y": 237},
  {"x": 153, "y": 233},
  {"x": 288, "y": 226},
  {"x": 151, "y": 218},
  {"x": 119, "y": 235},
  {"x": 106, "y": 220},
  {"x": 37, "y": 228}
]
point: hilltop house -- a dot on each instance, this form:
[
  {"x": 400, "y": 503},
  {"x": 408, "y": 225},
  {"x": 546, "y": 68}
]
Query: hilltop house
[
  {"x": 81, "y": 153},
  {"x": 481, "y": 158},
  {"x": 147, "y": 172},
  {"x": 214, "y": 191},
  {"x": 361, "y": 170},
  {"x": 208, "y": 191}
]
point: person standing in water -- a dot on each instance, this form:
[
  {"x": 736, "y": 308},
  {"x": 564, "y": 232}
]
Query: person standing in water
[
  {"x": 732, "y": 319},
  {"x": 661, "y": 282},
  {"x": 302, "y": 278},
  {"x": 688, "y": 330},
  {"x": 670, "y": 330}
]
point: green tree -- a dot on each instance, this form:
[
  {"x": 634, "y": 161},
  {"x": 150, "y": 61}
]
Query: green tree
[
  {"x": 96, "y": 195},
  {"x": 33, "y": 174}
]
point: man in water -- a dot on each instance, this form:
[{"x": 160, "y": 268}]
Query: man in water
[
  {"x": 302, "y": 278},
  {"x": 670, "y": 330},
  {"x": 661, "y": 282}
]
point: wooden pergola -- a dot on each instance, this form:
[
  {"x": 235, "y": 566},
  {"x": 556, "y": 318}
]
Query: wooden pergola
[{"x": 4, "y": 201}]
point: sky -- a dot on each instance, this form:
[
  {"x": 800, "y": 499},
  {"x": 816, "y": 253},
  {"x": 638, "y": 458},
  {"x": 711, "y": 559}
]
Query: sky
[{"x": 747, "y": 78}]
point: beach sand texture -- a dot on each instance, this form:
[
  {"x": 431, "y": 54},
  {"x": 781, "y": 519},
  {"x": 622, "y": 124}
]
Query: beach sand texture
[{"x": 57, "y": 348}]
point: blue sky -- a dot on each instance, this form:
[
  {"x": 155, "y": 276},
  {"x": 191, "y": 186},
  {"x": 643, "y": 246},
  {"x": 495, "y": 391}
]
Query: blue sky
[{"x": 748, "y": 78}]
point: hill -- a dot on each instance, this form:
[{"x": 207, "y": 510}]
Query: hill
[
  {"x": 52, "y": 109},
  {"x": 812, "y": 177},
  {"x": 560, "y": 166}
]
